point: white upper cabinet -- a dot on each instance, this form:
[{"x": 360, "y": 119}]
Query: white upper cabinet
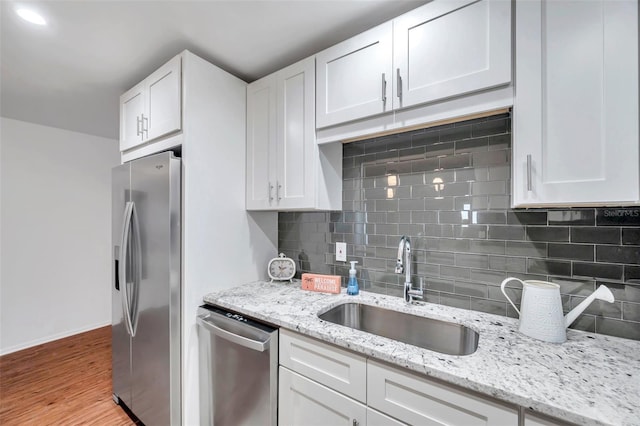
[
  {"x": 153, "y": 108},
  {"x": 355, "y": 77},
  {"x": 450, "y": 48},
  {"x": 441, "y": 50},
  {"x": 131, "y": 112},
  {"x": 295, "y": 143},
  {"x": 286, "y": 170},
  {"x": 261, "y": 146},
  {"x": 163, "y": 100},
  {"x": 575, "y": 135}
]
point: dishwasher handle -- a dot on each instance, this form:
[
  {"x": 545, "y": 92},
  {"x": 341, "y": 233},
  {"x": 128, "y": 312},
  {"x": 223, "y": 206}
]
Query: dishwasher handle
[{"x": 233, "y": 337}]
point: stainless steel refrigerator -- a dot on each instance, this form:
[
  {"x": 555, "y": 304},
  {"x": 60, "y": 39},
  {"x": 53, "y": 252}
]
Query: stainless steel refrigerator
[{"x": 146, "y": 288}]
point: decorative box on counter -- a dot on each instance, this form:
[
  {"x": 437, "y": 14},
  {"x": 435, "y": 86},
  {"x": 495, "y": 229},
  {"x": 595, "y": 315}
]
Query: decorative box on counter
[{"x": 321, "y": 283}]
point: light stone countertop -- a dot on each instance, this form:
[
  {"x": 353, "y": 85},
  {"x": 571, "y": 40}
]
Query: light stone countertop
[{"x": 591, "y": 379}]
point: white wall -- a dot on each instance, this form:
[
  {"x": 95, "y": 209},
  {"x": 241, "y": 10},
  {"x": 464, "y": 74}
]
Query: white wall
[{"x": 55, "y": 232}]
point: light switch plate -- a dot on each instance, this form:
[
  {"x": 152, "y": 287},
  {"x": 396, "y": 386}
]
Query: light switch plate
[{"x": 341, "y": 252}]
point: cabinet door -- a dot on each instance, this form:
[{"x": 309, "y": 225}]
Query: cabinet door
[
  {"x": 261, "y": 144},
  {"x": 575, "y": 113},
  {"x": 304, "y": 402},
  {"x": 421, "y": 401},
  {"x": 296, "y": 147},
  {"x": 354, "y": 77},
  {"x": 164, "y": 101},
  {"x": 131, "y": 110},
  {"x": 451, "y": 48}
]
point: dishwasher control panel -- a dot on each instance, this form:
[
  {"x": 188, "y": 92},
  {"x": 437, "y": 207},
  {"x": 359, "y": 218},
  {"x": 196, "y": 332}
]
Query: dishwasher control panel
[{"x": 238, "y": 317}]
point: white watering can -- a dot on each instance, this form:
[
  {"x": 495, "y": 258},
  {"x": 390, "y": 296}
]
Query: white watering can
[{"x": 541, "y": 309}]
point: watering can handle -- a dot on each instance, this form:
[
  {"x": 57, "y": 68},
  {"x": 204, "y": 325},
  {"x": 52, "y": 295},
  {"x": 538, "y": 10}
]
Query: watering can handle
[{"x": 505, "y": 293}]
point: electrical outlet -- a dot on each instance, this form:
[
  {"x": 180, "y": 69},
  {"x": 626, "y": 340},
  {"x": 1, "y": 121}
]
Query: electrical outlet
[{"x": 341, "y": 252}]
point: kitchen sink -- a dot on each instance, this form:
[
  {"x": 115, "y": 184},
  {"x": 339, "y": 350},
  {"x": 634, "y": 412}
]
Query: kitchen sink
[{"x": 436, "y": 335}]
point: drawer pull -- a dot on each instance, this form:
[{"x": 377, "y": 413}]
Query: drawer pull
[{"x": 384, "y": 89}]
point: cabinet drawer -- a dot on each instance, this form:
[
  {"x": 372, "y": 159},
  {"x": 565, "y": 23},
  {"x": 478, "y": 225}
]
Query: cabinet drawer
[
  {"x": 420, "y": 401},
  {"x": 304, "y": 402},
  {"x": 375, "y": 418},
  {"x": 334, "y": 367}
]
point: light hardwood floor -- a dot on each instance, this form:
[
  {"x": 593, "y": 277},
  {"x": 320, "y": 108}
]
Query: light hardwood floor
[{"x": 65, "y": 382}]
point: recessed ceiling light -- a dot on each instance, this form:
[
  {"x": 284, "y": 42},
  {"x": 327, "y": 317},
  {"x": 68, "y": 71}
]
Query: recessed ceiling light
[{"x": 31, "y": 16}]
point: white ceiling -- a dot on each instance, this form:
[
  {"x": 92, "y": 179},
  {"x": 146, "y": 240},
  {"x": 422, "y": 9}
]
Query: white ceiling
[{"x": 70, "y": 73}]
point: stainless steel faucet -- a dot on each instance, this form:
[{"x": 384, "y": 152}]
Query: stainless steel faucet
[{"x": 403, "y": 264}]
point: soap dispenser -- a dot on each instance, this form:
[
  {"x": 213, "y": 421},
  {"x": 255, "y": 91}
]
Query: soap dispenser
[{"x": 352, "y": 287}]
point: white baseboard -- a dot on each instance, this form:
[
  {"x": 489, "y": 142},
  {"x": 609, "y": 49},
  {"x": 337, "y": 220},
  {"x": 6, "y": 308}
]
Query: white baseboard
[{"x": 51, "y": 338}]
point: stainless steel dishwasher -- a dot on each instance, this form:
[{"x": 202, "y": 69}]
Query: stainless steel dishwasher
[{"x": 238, "y": 369}]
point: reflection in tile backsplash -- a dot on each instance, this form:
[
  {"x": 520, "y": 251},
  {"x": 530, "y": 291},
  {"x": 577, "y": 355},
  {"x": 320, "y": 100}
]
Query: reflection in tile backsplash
[{"x": 448, "y": 189}]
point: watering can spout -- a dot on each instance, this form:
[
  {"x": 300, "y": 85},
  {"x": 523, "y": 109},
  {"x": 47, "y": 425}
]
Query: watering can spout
[{"x": 602, "y": 293}]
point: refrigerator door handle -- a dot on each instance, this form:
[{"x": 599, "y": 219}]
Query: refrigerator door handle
[
  {"x": 124, "y": 253},
  {"x": 137, "y": 270}
]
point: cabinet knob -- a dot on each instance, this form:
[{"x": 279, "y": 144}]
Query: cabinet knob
[{"x": 355, "y": 422}]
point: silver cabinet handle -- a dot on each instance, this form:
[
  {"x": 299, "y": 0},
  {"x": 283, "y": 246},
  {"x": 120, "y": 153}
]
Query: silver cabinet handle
[
  {"x": 232, "y": 337},
  {"x": 138, "y": 125},
  {"x": 270, "y": 189},
  {"x": 529, "y": 184},
  {"x": 399, "y": 83},
  {"x": 384, "y": 89},
  {"x": 278, "y": 187},
  {"x": 145, "y": 125},
  {"x": 355, "y": 422}
]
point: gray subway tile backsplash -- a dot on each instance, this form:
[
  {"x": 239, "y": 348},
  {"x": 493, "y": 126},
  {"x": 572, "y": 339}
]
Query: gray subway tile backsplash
[
  {"x": 618, "y": 254},
  {"x": 600, "y": 235},
  {"x": 448, "y": 189},
  {"x": 631, "y": 236}
]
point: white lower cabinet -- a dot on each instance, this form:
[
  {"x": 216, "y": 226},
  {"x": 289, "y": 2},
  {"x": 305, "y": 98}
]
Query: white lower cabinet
[
  {"x": 302, "y": 401},
  {"x": 321, "y": 384},
  {"x": 420, "y": 401}
]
